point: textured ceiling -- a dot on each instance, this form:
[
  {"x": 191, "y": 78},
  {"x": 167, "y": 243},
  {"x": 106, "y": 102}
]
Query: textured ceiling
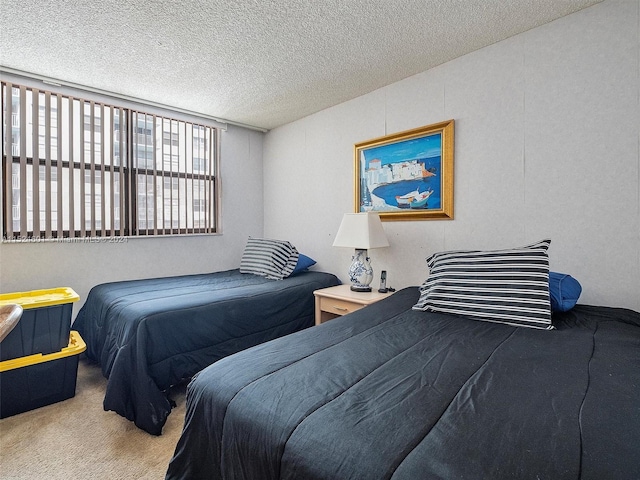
[{"x": 257, "y": 62}]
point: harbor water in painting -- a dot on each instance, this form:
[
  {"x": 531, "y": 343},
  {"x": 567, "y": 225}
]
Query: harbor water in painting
[{"x": 402, "y": 176}]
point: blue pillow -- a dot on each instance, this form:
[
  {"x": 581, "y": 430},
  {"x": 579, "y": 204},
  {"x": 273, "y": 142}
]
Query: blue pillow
[
  {"x": 564, "y": 291},
  {"x": 304, "y": 262}
]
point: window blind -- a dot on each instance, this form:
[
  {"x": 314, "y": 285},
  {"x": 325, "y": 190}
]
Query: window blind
[{"x": 79, "y": 168}]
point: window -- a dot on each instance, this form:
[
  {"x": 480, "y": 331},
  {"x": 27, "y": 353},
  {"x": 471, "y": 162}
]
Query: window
[{"x": 81, "y": 168}]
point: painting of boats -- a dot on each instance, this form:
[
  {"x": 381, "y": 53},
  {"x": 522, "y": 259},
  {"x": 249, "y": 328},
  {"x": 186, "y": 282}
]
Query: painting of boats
[{"x": 407, "y": 175}]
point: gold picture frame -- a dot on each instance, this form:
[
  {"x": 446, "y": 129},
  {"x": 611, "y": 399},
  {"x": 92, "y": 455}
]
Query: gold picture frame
[{"x": 407, "y": 175}]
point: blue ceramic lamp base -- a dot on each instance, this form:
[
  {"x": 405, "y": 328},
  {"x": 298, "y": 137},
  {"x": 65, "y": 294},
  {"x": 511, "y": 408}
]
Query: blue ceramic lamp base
[{"x": 360, "y": 272}]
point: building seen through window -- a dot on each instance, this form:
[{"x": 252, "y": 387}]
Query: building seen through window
[{"x": 79, "y": 168}]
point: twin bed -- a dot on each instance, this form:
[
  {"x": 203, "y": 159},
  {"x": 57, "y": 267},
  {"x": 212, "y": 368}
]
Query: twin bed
[
  {"x": 469, "y": 376},
  {"x": 389, "y": 392},
  {"x": 148, "y": 335}
]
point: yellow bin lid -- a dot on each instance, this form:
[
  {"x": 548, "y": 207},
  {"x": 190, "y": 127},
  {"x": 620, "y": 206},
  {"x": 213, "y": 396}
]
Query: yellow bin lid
[
  {"x": 76, "y": 347},
  {"x": 40, "y": 298}
]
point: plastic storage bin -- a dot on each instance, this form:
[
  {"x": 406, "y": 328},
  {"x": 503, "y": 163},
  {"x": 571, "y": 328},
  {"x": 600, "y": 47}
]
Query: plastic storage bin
[
  {"x": 38, "y": 380},
  {"x": 45, "y": 323}
]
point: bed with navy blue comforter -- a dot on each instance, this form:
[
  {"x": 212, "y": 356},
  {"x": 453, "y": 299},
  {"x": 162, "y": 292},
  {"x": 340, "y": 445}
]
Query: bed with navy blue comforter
[
  {"x": 389, "y": 392},
  {"x": 148, "y": 335}
]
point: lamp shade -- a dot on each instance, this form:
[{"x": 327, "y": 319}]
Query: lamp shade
[{"x": 361, "y": 230}]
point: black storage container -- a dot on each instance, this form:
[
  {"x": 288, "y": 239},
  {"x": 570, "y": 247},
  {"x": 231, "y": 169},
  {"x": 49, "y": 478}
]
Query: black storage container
[
  {"x": 37, "y": 380},
  {"x": 45, "y": 323}
]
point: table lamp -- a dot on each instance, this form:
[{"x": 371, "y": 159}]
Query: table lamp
[{"x": 361, "y": 231}]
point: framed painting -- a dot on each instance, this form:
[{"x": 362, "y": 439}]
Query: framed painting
[{"x": 407, "y": 175}]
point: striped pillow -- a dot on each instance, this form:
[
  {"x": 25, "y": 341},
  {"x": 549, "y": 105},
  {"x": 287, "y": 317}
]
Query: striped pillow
[
  {"x": 274, "y": 259},
  {"x": 506, "y": 286}
]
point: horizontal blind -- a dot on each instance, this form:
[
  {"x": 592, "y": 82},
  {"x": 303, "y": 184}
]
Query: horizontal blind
[{"x": 78, "y": 168}]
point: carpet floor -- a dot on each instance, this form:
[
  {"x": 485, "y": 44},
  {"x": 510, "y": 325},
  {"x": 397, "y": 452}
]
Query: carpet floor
[{"x": 77, "y": 439}]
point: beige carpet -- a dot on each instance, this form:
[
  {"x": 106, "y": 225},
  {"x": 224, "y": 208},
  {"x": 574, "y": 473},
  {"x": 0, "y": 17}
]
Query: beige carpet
[{"x": 76, "y": 439}]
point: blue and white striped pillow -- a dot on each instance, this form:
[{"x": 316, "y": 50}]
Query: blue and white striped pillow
[
  {"x": 506, "y": 286},
  {"x": 274, "y": 259}
]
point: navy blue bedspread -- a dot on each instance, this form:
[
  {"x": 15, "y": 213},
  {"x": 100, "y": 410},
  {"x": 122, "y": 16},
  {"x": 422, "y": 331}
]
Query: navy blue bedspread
[
  {"x": 391, "y": 393},
  {"x": 148, "y": 335}
]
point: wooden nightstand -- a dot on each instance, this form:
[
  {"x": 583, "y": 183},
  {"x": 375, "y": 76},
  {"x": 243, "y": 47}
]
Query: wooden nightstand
[{"x": 336, "y": 301}]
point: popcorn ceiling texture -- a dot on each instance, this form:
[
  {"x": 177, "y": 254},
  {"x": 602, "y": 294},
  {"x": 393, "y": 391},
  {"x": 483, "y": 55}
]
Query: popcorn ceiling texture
[{"x": 258, "y": 62}]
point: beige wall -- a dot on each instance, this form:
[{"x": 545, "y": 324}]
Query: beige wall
[{"x": 547, "y": 135}]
